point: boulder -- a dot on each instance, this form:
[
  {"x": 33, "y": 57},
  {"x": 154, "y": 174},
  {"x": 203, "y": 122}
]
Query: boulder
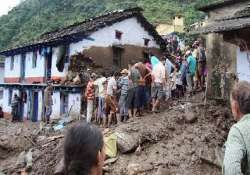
[{"x": 127, "y": 142}]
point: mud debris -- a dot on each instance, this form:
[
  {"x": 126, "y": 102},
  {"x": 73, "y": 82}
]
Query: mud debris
[{"x": 165, "y": 143}]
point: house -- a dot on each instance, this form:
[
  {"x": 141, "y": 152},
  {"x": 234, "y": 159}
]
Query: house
[
  {"x": 110, "y": 40},
  {"x": 177, "y": 26},
  {"x": 226, "y": 41}
]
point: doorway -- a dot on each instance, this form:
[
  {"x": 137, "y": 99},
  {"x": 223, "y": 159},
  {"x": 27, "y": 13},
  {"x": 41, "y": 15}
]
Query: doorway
[
  {"x": 64, "y": 100},
  {"x": 23, "y": 101},
  {"x": 34, "y": 117},
  {"x": 117, "y": 56}
]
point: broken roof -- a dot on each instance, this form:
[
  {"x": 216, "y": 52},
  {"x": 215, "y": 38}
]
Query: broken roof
[
  {"x": 239, "y": 20},
  {"x": 219, "y": 4},
  {"x": 78, "y": 31}
]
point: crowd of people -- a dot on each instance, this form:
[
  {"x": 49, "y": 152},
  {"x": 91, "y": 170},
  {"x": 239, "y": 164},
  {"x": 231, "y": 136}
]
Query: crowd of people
[
  {"x": 85, "y": 154},
  {"x": 116, "y": 97}
]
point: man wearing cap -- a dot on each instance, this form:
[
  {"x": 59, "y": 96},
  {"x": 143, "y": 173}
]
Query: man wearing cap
[
  {"x": 123, "y": 104},
  {"x": 191, "y": 69},
  {"x": 48, "y": 101}
]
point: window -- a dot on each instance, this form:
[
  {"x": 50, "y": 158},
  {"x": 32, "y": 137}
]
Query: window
[
  {"x": 12, "y": 63},
  {"x": 34, "y": 59},
  {"x": 10, "y": 96},
  {"x": 118, "y": 34},
  {"x": 67, "y": 50},
  {"x": 146, "y": 41}
]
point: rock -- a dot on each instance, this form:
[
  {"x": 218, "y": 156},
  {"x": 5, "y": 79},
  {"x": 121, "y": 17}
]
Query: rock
[
  {"x": 110, "y": 161},
  {"x": 135, "y": 169},
  {"x": 59, "y": 169},
  {"x": 20, "y": 163},
  {"x": 190, "y": 117},
  {"x": 138, "y": 150},
  {"x": 28, "y": 160},
  {"x": 77, "y": 80},
  {"x": 41, "y": 138},
  {"x": 127, "y": 142},
  {"x": 3, "y": 138},
  {"x": 162, "y": 171},
  {"x": 19, "y": 131}
]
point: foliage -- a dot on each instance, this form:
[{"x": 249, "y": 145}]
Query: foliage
[{"x": 33, "y": 17}]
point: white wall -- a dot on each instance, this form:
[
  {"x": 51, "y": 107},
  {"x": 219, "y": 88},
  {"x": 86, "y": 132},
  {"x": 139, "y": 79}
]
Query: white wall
[
  {"x": 56, "y": 105},
  {"x": 133, "y": 34},
  {"x": 243, "y": 65},
  {"x": 75, "y": 102},
  {"x": 40, "y": 105},
  {"x": 54, "y": 71},
  {"x": 39, "y": 70},
  {"x": 1, "y": 74},
  {"x": 15, "y": 73},
  {"x": 6, "y": 106}
]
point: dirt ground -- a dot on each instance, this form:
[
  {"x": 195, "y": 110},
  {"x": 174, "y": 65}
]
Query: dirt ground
[{"x": 183, "y": 139}]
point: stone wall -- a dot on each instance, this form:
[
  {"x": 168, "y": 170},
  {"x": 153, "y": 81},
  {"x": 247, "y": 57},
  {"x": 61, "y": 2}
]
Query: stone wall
[{"x": 221, "y": 62}]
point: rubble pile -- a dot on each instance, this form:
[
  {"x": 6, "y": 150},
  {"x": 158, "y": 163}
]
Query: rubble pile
[
  {"x": 185, "y": 139},
  {"x": 78, "y": 73}
]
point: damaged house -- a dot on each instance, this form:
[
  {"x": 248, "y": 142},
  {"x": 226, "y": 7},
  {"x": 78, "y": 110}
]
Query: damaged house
[
  {"x": 227, "y": 30},
  {"x": 110, "y": 40}
]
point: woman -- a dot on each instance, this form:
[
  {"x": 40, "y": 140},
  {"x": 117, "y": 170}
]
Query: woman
[{"x": 84, "y": 150}]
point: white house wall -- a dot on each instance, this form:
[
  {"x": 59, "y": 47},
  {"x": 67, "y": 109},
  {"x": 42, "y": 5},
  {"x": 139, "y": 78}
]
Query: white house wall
[
  {"x": 133, "y": 34},
  {"x": 54, "y": 71},
  {"x": 74, "y": 104},
  {"x": 15, "y": 72},
  {"x": 39, "y": 70},
  {"x": 56, "y": 105},
  {"x": 243, "y": 65},
  {"x": 6, "y": 105}
]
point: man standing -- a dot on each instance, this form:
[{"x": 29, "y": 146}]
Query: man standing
[
  {"x": 90, "y": 96},
  {"x": 201, "y": 65},
  {"x": 159, "y": 81},
  {"x": 48, "y": 101},
  {"x": 123, "y": 84},
  {"x": 15, "y": 108},
  {"x": 237, "y": 152},
  {"x": 101, "y": 98},
  {"x": 134, "y": 77},
  {"x": 111, "y": 103},
  {"x": 191, "y": 63}
]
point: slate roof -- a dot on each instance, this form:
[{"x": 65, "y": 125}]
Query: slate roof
[
  {"x": 219, "y": 4},
  {"x": 78, "y": 31},
  {"x": 239, "y": 20}
]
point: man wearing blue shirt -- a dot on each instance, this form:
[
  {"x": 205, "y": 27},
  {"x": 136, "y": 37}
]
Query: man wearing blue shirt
[{"x": 191, "y": 63}]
